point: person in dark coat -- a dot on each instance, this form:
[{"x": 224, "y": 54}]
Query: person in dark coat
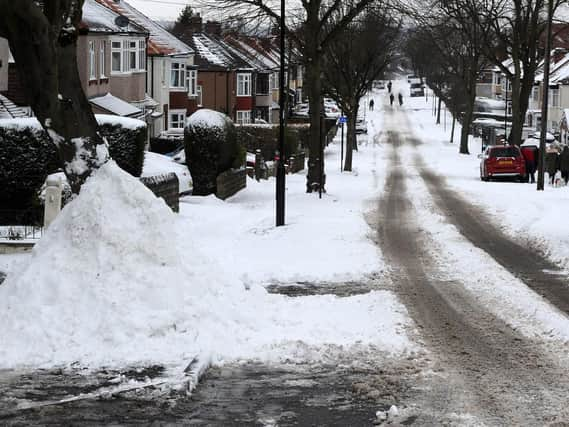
[
  {"x": 371, "y": 105},
  {"x": 530, "y": 157},
  {"x": 564, "y": 163},
  {"x": 389, "y": 86},
  {"x": 400, "y": 99},
  {"x": 551, "y": 163},
  {"x": 391, "y": 98}
]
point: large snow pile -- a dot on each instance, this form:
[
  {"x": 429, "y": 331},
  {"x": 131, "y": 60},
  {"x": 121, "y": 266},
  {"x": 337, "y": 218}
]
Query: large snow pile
[{"x": 112, "y": 283}]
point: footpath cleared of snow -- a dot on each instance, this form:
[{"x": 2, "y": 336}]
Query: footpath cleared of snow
[
  {"x": 119, "y": 279},
  {"x": 539, "y": 217}
]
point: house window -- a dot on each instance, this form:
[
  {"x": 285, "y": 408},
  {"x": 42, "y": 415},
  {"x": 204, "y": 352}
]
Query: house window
[
  {"x": 132, "y": 53},
  {"x": 92, "y": 69},
  {"x": 262, "y": 84},
  {"x": 192, "y": 82},
  {"x": 243, "y": 117},
  {"x": 128, "y": 56},
  {"x": 243, "y": 84},
  {"x": 141, "y": 55},
  {"x": 554, "y": 97},
  {"x": 102, "y": 56},
  {"x": 200, "y": 94},
  {"x": 274, "y": 81},
  {"x": 116, "y": 56},
  {"x": 177, "y": 119},
  {"x": 535, "y": 93},
  {"x": 177, "y": 75}
]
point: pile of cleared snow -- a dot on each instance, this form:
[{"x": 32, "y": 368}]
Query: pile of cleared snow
[{"x": 111, "y": 283}]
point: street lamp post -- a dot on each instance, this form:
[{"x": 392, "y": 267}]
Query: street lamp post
[
  {"x": 280, "y": 190},
  {"x": 544, "y": 100}
]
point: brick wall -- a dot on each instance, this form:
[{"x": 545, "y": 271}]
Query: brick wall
[
  {"x": 230, "y": 182},
  {"x": 165, "y": 186},
  {"x": 297, "y": 164}
]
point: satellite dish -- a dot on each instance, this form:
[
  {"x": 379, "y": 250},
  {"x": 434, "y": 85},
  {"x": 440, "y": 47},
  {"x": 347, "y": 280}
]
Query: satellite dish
[{"x": 121, "y": 21}]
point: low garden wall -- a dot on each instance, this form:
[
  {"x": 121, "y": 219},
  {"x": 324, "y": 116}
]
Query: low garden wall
[
  {"x": 230, "y": 182},
  {"x": 165, "y": 186}
]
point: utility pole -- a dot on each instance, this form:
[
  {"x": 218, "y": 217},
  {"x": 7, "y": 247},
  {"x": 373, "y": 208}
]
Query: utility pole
[
  {"x": 544, "y": 100},
  {"x": 280, "y": 190}
]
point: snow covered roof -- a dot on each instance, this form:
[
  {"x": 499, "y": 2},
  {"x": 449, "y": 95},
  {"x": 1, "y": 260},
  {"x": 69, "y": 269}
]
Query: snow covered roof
[
  {"x": 213, "y": 52},
  {"x": 98, "y": 18},
  {"x": 115, "y": 105},
  {"x": 252, "y": 51},
  {"x": 160, "y": 41},
  {"x": 9, "y": 110}
]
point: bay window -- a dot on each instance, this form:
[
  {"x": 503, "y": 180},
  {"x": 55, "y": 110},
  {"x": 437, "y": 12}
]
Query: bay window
[
  {"x": 243, "y": 117},
  {"x": 128, "y": 55},
  {"x": 192, "y": 82},
  {"x": 92, "y": 69},
  {"x": 102, "y": 57}
]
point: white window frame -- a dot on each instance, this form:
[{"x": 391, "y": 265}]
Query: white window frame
[
  {"x": 275, "y": 81},
  {"x": 92, "y": 64},
  {"x": 102, "y": 59},
  {"x": 199, "y": 94},
  {"x": 131, "y": 55},
  {"x": 554, "y": 97},
  {"x": 243, "y": 117},
  {"x": 243, "y": 84},
  {"x": 114, "y": 51},
  {"x": 177, "y": 117},
  {"x": 178, "y": 68},
  {"x": 141, "y": 55},
  {"x": 192, "y": 81}
]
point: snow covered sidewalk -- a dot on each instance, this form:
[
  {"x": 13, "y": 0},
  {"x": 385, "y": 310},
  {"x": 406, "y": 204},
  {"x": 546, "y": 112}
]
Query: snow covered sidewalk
[{"x": 118, "y": 279}]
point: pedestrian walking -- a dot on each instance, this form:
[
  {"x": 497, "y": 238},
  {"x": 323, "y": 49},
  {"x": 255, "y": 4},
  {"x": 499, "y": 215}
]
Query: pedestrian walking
[
  {"x": 564, "y": 164},
  {"x": 389, "y": 86},
  {"x": 391, "y": 99},
  {"x": 400, "y": 99},
  {"x": 551, "y": 163},
  {"x": 371, "y": 103},
  {"x": 530, "y": 156}
]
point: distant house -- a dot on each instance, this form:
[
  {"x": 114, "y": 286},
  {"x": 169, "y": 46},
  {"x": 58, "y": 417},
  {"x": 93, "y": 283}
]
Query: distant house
[
  {"x": 111, "y": 60},
  {"x": 489, "y": 84},
  {"x": 171, "y": 77},
  {"x": 226, "y": 81}
]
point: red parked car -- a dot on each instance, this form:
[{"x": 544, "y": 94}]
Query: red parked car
[{"x": 502, "y": 161}]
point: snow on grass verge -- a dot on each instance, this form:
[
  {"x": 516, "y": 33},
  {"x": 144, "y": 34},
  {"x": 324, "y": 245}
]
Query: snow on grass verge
[{"x": 116, "y": 280}]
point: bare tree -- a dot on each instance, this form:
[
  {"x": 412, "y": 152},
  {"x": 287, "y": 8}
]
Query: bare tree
[
  {"x": 453, "y": 40},
  {"x": 517, "y": 28},
  {"x": 313, "y": 27},
  {"x": 43, "y": 40},
  {"x": 354, "y": 60}
]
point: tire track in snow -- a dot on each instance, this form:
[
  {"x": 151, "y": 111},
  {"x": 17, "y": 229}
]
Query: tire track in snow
[{"x": 491, "y": 371}]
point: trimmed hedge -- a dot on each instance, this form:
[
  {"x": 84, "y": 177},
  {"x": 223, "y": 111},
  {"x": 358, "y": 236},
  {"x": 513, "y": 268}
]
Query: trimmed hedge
[
  {"x": 165, "y": 145},
  {"x": 27, "y": 156},
  {"x": 266, "y": 138},
  {"x": 126, "y": 138},
  {"x": 211, "y": 148}
]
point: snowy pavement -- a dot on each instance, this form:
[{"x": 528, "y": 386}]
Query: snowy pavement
[{"x": 377, "y": 295}]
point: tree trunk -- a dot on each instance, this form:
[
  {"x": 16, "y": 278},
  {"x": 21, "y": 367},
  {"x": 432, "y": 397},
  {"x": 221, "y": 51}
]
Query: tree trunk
[
  {"x": 467, "y": 122},
  {"x": 452, "y": 129},
  {"x": 314, "y": 100},
  {"x": 351, "y": 137},
  {"x": 439, "y": 110},
  {"x": 45, "y": 55}
]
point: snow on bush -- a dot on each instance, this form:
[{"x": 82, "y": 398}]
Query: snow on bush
[
  {"x": 111, "y": 283},
  {"x": 211, "y": 148}
]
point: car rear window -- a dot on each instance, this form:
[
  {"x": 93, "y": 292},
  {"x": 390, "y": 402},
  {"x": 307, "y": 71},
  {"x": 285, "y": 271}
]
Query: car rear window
[{"x": 505, "y": 152}]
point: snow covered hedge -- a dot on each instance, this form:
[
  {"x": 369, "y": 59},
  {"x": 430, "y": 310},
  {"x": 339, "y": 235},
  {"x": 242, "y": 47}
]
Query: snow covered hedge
[
  {"x": 126, "y": 138},
  {"x": 211, "y": 148},
  {"x": 266, "y": 138},
  {"x": 27, "y": 155}
]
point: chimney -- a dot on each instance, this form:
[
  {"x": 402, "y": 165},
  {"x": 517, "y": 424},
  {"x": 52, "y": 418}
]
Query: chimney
[
  {"x": 213, "y": 28},
  {"x": 196, "y": 23}
]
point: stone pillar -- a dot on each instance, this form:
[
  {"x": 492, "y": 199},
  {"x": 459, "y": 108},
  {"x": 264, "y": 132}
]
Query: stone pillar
[
  {"x": 258, "y": 163},
  {"x": 52, "y": 200}
]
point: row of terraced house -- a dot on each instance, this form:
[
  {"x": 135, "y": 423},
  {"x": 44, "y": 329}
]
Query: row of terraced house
[{"x": 133, "y": 67}]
